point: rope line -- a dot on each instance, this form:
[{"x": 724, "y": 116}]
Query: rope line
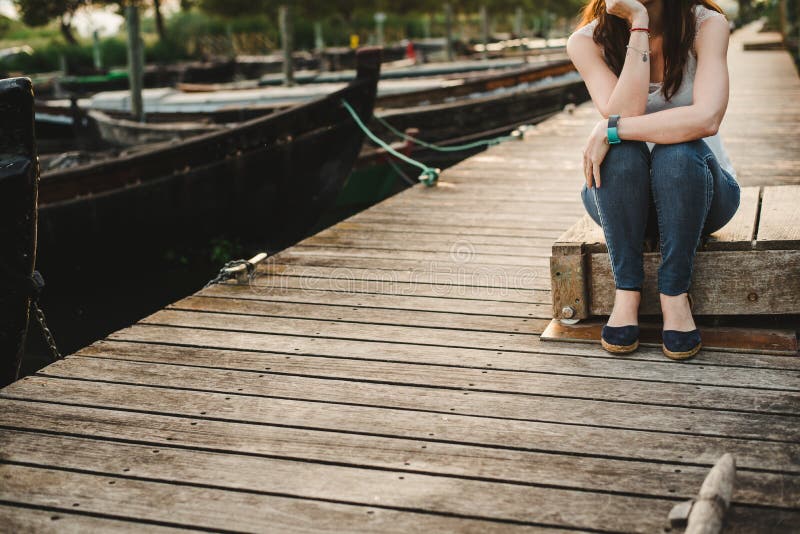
[
  {"x": 450, "y": 148},
  {"x": 429, "y": 175}
]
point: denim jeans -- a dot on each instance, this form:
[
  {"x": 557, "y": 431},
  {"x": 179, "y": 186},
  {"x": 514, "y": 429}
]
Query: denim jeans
[{"x": 678, "y": 192}]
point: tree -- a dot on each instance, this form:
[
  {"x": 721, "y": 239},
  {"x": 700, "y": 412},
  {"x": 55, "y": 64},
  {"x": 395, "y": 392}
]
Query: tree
[
  {"x": 162, "y": 32},
  {"x": 40, "y": 12}
]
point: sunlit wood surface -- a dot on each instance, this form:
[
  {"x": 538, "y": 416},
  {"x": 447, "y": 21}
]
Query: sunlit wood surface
[{"x": 387, "y": 375}]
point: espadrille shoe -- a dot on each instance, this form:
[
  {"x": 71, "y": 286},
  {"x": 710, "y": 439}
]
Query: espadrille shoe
[
  {"x": 679, "y": 345},
  {"x": 620, "y": 339}
]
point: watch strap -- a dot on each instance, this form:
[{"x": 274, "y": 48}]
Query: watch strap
[{"x": 612, "y": 134}]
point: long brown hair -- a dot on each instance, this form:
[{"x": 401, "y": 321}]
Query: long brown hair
[{"x": 679, "y": 33}]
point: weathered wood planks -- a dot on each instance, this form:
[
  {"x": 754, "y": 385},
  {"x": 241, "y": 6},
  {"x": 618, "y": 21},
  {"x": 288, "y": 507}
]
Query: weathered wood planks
[
  {"x": 749, "y": 267},
  {"x": 388, "y": 375}
]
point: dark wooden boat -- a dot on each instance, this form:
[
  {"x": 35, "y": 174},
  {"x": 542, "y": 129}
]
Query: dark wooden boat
[
  {"x": 268, "y": 178},
  {"x": 18, "y": 179},
  {"x": 115, "y": 129}
]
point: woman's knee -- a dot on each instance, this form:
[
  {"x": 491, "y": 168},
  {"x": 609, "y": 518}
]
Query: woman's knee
[
  {"x": 626, "y": 155},
  {"x": 679, "y": 160},
  {"x": 589, "y": 202}
]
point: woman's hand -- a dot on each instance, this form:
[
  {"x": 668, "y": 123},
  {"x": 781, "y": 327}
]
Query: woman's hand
[
  {"x": 595, "y": 152},
  {"x": 626, "y": 9}
]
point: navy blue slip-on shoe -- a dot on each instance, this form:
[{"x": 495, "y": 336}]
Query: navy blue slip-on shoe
[
  {"x": 620, "y": 339},
  {"x": 681, "y": 345}
]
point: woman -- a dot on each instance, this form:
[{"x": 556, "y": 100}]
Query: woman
[{"x": 657, "y": 72}]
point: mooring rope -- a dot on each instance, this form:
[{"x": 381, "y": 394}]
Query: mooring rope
[
  {"x": 429, "y": 175},
  {"x": 449, "y": 148}
]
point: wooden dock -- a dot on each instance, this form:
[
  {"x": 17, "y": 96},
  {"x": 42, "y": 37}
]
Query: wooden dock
[{"x": 387, "y": 375}]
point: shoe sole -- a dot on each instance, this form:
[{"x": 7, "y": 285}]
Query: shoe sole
[
  {"x": 681, "y": 355},
  {"x": 619, "y": 349}
]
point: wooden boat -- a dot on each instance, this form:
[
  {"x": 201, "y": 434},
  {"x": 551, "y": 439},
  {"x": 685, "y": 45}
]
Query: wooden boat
[
  {"x": 117, "y": 131},
  {"x": 268, "y": 178},
  {"x": 18, "y": 179}
]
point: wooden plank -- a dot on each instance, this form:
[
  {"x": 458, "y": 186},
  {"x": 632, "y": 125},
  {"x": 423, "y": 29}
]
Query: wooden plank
[
  {"x": 336, "y": 235},
  {"x": 740, "y": 232},
  {"x": 268, "y": 282},
  {"x": 414, "y": 244},
  {"x": 779, "y": 224},
  {"x": 736, "y": 339},
  {"x": 724, "y": 283},
  {"x": 309, "y": 355},
  {"x": 236, "y": 471},
  {"x": 712, "y": 362},
  {"x": 303, "y": 293},
  {"x": 584, "y": 236},
  {"x": 57, "y": 521},
  {"x": 570, "y": 280},
  {"x": 367, "y": 316},
  {"x": 327, "y": 331},
  {"x": 478, "y": 403},
  {"x": 210, "y": 508},
  {"x": 508, "y": 382},
  {"x": 452, "y": 402},
  {"x": 356, "y": 226},
  {"x": 460, "y": 252},
  {"x": 530, "y": 273},
  {"x": 350, "y": 452}
]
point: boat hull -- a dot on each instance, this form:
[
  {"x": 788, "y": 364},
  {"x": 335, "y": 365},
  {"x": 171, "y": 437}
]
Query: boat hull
[{"x": 266, "y": 180}]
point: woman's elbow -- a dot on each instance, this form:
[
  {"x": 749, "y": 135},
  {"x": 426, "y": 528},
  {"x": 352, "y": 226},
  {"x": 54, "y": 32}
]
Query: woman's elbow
[{"x": 711, "y": 125}]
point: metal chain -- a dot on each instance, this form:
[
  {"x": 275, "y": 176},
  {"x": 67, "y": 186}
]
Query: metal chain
[
  {"x": 48, "y": 335},
  {"x": 37, "y": 285},
  {"x": 224, "y": 275}
]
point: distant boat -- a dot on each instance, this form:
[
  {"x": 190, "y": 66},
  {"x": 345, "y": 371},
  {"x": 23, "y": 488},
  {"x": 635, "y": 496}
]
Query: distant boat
[
  {"x": 269, "y": 177},
  {"x": 113, "y": 127}
]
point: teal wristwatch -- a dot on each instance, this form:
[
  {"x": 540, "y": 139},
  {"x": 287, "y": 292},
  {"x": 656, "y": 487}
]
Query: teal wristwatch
[{"x": 613, "y": 136}]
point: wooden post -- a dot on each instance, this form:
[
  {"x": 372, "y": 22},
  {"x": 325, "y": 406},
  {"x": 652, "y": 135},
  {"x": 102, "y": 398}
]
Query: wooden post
[
  {"x": 705, "y": 514},
  {"x": 448, "y": 30},
  {"x": 287, "y": 37},
  {"x": 135, "y": 61},
  {"x": 485, "y": 31},
  {"x": 380, "y": 19},
  {"x": 519, "y": 29},
  {"x": 19, "y": 178},
  {"x": 97, "y": 55},
  {"x": 712, "y": 502},
  {"x": 319, "y": 41}
]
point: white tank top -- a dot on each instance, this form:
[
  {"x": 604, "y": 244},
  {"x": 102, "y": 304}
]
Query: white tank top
[{"x": 683, "y": 96}]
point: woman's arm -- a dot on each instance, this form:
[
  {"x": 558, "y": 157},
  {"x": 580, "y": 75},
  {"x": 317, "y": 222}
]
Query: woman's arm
[
  {"x": 710, "y": 95},
  {"x": 627, "y": 95}
]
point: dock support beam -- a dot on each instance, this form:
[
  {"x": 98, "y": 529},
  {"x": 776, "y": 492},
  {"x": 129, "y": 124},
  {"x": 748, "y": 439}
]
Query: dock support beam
[{"x": 19, "y": 179}]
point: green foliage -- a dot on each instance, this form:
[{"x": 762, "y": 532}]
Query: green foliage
[
  {"x": 224, "y": 250},
  {"x": 40, "y": 12}
]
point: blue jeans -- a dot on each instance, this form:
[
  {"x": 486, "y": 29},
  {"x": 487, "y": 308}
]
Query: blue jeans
[{"x": 678, "y": 192}]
